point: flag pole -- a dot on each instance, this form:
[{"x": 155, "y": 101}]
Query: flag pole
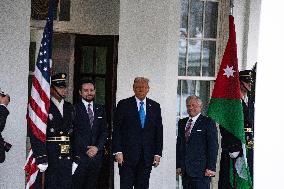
[
  {"x": 234, "y": 160},
  {"x": 231, "y": 7}
]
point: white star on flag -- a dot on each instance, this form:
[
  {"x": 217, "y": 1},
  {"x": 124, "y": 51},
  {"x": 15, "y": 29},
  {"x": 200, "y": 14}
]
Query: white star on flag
[{"x": 229, "y": 71}]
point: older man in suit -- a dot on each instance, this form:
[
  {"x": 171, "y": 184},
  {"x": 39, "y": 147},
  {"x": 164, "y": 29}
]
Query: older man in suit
[
  {"x": 137, "y": 137},
  {"x": 89, "y": 137},
  {"x": 197, "y": 147}
]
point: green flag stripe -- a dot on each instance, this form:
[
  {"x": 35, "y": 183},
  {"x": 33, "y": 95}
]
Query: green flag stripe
[{"x": 228, "y": 113}]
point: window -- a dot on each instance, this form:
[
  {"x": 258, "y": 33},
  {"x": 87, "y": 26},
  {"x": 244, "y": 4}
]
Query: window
[
  {"x": 198, "y": 53},
  {"x": 39, "y": 10}
]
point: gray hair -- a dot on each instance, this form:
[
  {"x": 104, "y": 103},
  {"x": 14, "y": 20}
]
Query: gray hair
[
  {"x": 141, "y": 79},
  {"x": 196, "y": 98}
]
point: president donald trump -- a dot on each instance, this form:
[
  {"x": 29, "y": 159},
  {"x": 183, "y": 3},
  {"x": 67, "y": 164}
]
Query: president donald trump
[{"x": 137, "y": 136}]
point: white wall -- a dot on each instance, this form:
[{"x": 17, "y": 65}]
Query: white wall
[
  {"x": 148, "y": 46},
  {"x": 247, "y": 18},
  {"x": 14, "y": 56},
  {"x": 93, "y": 17},
  {"x": 253, "y": 33}
]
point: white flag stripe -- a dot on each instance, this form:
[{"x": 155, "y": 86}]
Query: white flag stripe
[
  {"x": 37, "y": 99},
  {"x": 32, "y": 180},
  {"x": 37, "y": 121},
  {"x": 44, "y": 84}
]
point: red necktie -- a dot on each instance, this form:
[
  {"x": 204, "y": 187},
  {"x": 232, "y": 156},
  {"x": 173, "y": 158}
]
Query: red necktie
[{"x": 187, "y": 131}]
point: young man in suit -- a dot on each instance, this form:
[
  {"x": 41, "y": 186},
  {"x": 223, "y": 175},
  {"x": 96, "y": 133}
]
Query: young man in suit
[
  {"x": 4, "y": 112},
  {"x": 197, "y": 147},
  {"x": 90, "y": 134},
  {"x": 137, "y": 136}
]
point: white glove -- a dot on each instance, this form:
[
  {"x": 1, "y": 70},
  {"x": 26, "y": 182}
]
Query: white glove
[
  {"x": 74, "y": 167},
  {"x": 42, "y": 167},
  {"x": 234, "y": 154}
]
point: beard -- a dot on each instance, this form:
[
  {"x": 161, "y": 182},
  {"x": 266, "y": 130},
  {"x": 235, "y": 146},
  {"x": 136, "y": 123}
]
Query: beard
[{"x": 88, "y": 100}]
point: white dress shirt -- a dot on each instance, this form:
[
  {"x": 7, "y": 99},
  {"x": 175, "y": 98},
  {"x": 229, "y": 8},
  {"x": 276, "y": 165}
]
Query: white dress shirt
[
  {"x": 138, "y": 104},
  {"x": 58, "y": 104}
]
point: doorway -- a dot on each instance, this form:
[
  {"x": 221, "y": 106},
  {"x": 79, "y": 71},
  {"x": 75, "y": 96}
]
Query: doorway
[{"x": 96, "y": 58}]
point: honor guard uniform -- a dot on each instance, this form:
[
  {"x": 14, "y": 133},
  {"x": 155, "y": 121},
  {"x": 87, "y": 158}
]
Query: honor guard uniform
[
  {"x": 248, "y": 111},
  {"x": 54, "y": 158}
]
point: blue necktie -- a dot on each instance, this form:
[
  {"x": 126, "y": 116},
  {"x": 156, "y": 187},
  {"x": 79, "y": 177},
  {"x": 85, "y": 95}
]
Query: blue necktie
[{"x": 142, "y": 114}]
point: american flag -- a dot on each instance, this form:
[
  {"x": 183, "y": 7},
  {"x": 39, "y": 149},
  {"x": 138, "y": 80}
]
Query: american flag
[{"x": 39, "y": 101}]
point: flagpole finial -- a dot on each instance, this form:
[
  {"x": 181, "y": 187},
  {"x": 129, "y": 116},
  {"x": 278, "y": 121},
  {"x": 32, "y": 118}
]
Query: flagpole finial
[{"x": 231, "y": 6}]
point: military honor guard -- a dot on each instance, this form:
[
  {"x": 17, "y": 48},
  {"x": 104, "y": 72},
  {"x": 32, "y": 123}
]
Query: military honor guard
[
  {"x": 246, "y": 82},
  {"x": 54, "y": 158}
]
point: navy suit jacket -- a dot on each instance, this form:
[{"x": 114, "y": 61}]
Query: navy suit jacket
[
  {"x": 84, "y": 134},
  {"x": 200, "y": 152},
  {"x": 128, "y": 135}
]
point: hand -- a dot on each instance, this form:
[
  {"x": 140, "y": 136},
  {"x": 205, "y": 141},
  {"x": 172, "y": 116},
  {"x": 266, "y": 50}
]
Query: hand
[
  {"x": 119, "y": 158},
  {"x": 209, "y": 173},
  {"x": 178, "y": 172},
  {"x": 92, "y": 151},
  {"x": 234, "y": 155},
  {"x": 156, "y": 161},
  {"x": 5, "y": 99},
  {"x": 42, "y": 167},
  {"x": 74, "y": 167}
]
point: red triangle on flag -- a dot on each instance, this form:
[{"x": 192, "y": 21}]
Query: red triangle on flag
[{"x": 227, "y": 83}]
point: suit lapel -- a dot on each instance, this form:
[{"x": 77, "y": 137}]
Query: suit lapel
[
  {"x": 84, "y": 113},
  {"x": 135, "y": 111},
  {"x": 196, "y": 126},
  {"x": 148, "y": 111},
  {"x": 95, "y": 110}
]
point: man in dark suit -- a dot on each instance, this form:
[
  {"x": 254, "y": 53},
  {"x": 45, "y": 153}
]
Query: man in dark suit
[
  {"x": 90, "y": 134},
  {"x": 137, "y": 137},
  {"x": 4, "y": 112},
  {"x": 54, "y": 158},
  {"x": 197, "y": 147}
]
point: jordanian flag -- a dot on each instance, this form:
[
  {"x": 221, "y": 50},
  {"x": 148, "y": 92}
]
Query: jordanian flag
[{"x": 225, "y": 106}]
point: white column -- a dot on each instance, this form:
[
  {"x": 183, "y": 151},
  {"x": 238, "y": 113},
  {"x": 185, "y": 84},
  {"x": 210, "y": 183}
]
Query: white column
[
  {"x": 14, "y": 67},
  {"x": 148, "y": 46}
]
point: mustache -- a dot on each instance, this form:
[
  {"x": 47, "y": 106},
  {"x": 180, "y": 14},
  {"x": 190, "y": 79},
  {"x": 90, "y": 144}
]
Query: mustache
[{"x": 88, "y": 100}]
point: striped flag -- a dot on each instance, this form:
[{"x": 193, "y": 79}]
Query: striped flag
[
  {"x": 225, "y": 107},
  {"x": 39, "y": 101}
]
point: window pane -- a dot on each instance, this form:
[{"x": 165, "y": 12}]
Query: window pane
[
  {"x": 194, "y": 57},
  {"x": 208, "y": 61},
  {"x": 196, "y": 11},
  {"x": 211, "y": 18},
  {"x": 100, "y": 90},
  {"x": 64, "y": 14},
  {"x": 184, "y": 18},
  {"x": 88, "y": 59},
  {"x": 193, "y": 87},
  {"x": 101, "y": 53},
  {"x": 182, "y": 56}
]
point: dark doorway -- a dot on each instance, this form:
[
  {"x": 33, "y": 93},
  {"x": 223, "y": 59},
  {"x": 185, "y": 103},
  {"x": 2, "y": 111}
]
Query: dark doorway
[{"x": 96, "y": 58}]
